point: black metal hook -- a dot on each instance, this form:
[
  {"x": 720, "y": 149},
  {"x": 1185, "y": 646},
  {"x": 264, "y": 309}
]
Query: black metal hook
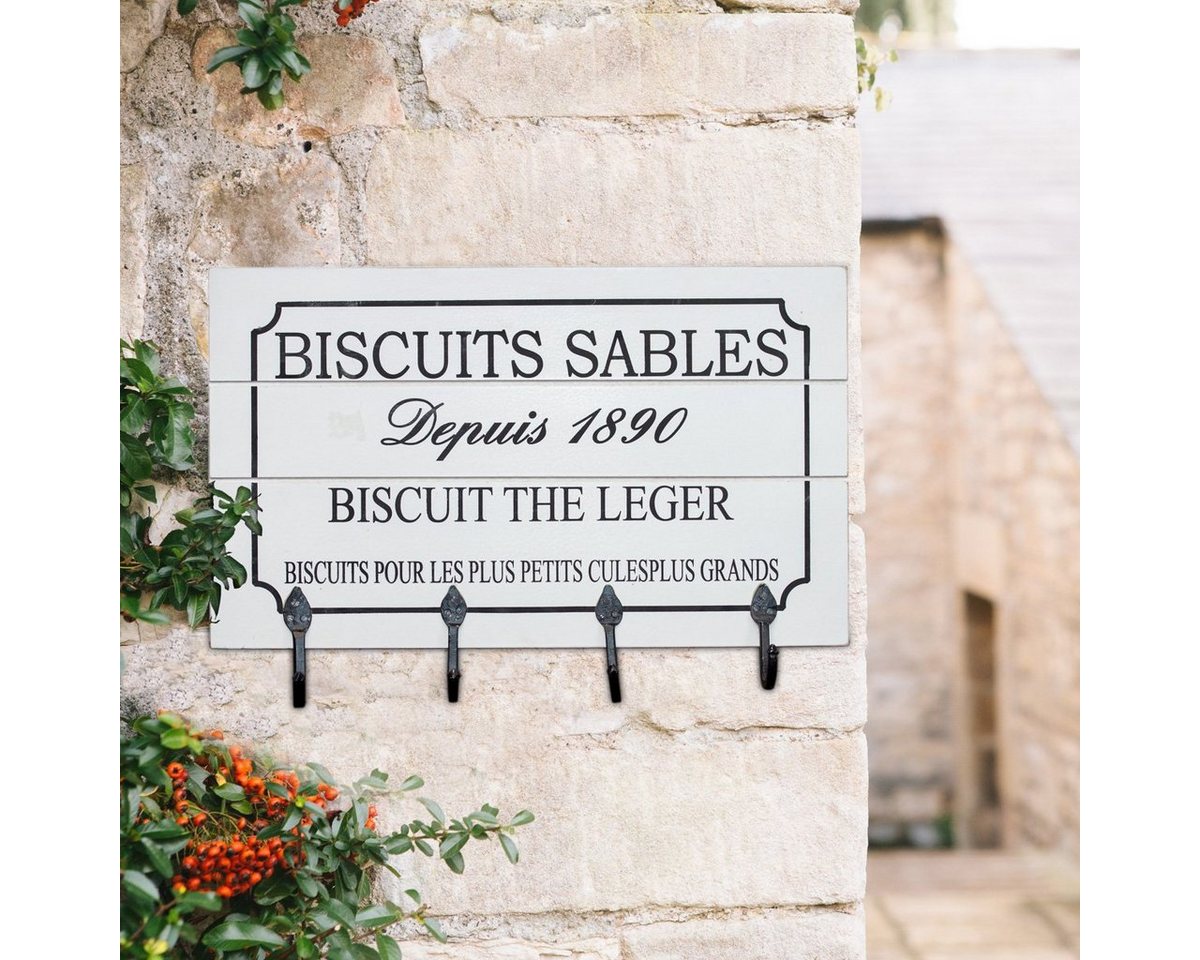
[
  {"x": 454, "y": 611},
  {"x": 297, "y": 617},
  {"x": 609, "y": 612},
  {"x": 763, "y": 609}
]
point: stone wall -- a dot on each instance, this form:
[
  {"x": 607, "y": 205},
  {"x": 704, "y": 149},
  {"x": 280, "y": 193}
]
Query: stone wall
[
  {"x": 974, "y": 488},
  {"x": 703, "y": 816},
  {"x": 908, "y": 419},
  {"x": 1016, "y": 505}
]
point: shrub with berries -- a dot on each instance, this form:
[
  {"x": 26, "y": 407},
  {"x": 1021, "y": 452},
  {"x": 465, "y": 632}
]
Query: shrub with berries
[
  {"x": 226, "y": 855},
  {"x": 266, "y": 49}
]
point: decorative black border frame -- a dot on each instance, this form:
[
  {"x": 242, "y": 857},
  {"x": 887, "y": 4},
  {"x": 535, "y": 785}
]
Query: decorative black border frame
[{"x": 281, "y": 305}]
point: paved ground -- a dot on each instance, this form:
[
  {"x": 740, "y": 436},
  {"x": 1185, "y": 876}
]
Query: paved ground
[{"x": 971, "y": 905}]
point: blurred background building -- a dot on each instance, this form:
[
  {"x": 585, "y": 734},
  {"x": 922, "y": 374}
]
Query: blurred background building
[
  {"x": 970, "y": 278},
  {"x": 970, "y": 312}
]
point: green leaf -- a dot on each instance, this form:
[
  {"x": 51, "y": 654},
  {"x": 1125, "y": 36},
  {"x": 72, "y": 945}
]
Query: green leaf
[
  {"x": 252, "y": 12},
  {"x": 522, "y": 818},
  {"x": 455, "y": 863},
  {"x": 229, "y": 791},
  {"x": 176, "y": 440},
  {"x": 452, "y": 844},
  {"x": 152, "y": 616},
  {"x": 510, "y": 848},
  {"x": 197, "y": 607},
  {"x": 376, "y": 915},
  {"x": 201, "y": 900},
  {"x": 339, "y": 911},
  {"x": 396, "y": 844},
  {"x": 139, "y": 884},
  {"x": 133, "y": 415},
  {"x": 388, "y": 948},
  {"x": 135, "y": 459},
  {"x": 158, "y": 859},
  {"x": 240, "y": 934},
  {"x": 186, "y": 6},
  {"x": 435, "y": 811},
  {"x": 308, "y": 886},
  {"x": 291, "y": 60},
  {"x": 226, "y": 55},
  {"x": 412, "y": 783},
  {"x": 175, "y": 738},
  {"x": 433, "y": 927},
  {"x": 271, "y": 101},
  {"x": 254, "y": 71},
  {"x": 305, "y": 948}
]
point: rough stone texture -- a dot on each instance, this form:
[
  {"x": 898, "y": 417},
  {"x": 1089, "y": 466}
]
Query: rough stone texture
[
  {"x": 658, "y": 65},
  {"x": 909, "y": 417},
  {"x": 798, "y": 6},
  {"x": 133, "y": 250},
  {"x": 508, "y": 949},
  {"x": 352, "y": 84},
  {"x": 825, "y": 936},
  {"x": 141, "y": 22},
  {"x": 701, "y": 811},
  {"x": 549, "y": 195},
  {"x": 617, "y": 796},
  {"x": 974, "y": 486},
  {"x": 1015, "y": 463},
  {"x": 284, "y": 216}
]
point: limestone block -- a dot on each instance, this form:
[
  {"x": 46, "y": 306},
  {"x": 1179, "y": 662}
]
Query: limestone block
[
  {"x": 352, "y": 84},
  {"x": 282, "y": 216},
  {"x": 812, "y": 935},
  {"x": 524, "y": 194},
  {"x": 803, "y": 6},
  {"x": 629, "y": 815},
  {"x": 133, "y": 250},
  {"x": 508, "y": 948},
  {"x": 657, "y": 65},
  {"x": 141, "y": 22}
]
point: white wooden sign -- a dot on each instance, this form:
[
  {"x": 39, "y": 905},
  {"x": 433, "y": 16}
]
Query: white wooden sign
[{"x": 528, "y": 436}]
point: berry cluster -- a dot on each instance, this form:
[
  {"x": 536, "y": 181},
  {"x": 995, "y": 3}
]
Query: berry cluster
[
  {"x": 349, "y": 11},
  {"x": 225, "y": 855},
  {"x": 233, "y": 867}
]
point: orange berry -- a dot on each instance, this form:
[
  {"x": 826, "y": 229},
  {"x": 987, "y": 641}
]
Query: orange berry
[{"x": 224, "y": 891}]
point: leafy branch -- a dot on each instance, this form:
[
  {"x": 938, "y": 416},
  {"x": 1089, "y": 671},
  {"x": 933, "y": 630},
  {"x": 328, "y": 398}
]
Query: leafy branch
[
  {"x": 869, "y": 58},
  {"x": 266, "y": 49},
  {"x": 225, "y": 855},
  {"x": 190, "y": 566}
]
